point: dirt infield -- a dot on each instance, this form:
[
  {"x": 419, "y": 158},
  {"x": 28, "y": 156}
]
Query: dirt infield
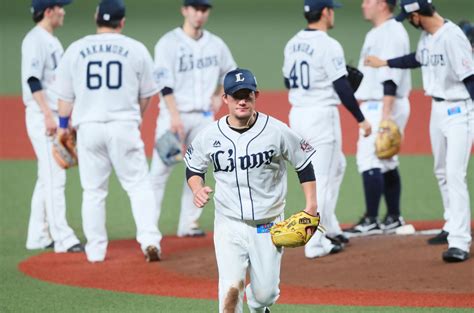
[
  {"x": 17, "y": 146},
  {"x": 372, "y": 271}
]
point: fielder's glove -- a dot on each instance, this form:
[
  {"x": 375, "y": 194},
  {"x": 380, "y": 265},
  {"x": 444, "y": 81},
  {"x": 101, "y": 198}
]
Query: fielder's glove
[
  {"x": 292, "y": 231},
  {"x": 169, "y": 148},
  {"x": 388, "y": 140},
  {"x": 354, "y": 76},
  {"x": 64, "y": 149}
]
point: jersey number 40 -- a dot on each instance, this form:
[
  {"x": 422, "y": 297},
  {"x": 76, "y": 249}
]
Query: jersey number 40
[
  {"x": 299, "y": 74},
  {"x": 112, "y": 72}
]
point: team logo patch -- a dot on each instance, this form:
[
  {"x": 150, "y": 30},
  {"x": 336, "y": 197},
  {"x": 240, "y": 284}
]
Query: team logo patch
[
  {"x": 467, "y": 64},
  {"x": 189, "y": 151},
  {"x": 239, "y": 78},
  {"x": 264, "y": 228},
  {"x": 305, "y": 146},
  {"x": 216, "y": 144},
  {"x": 454, "y": 110},
  {"x": 338, "y": 62},
  {"x": 35, "y": 63}
]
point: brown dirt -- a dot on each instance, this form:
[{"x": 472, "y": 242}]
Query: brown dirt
[{"x": 372, "y": 271}]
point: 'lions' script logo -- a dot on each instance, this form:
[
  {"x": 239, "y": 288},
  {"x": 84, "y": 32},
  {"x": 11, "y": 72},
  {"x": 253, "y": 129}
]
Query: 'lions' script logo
[{"x": 223, "y": 161}]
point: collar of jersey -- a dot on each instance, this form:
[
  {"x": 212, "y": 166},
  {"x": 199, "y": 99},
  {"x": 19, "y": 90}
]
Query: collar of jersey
[{"x": 232, "y": 134}]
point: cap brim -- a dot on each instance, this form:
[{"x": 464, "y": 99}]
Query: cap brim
[
  {"x": 240, "y": 87},
  {"x": 401, "y": 16}
]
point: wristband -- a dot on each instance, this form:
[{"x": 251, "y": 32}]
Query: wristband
[{"x": 63, "y": 121}]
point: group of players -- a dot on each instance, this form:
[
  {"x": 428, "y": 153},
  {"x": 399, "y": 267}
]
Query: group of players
[{"x": 103, "y": 83}]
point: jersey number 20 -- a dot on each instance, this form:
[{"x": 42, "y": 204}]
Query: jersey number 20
[
  {"x": 299, "y": 72},
  {"x": 113, "y": 74}
]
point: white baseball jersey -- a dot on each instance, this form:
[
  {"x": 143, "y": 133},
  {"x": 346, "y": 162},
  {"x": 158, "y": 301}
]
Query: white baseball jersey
[
  {"x": 40, "y": 55},
  {"x": 313, "y": 60},
  {"x": 387, "y": 41},
  {"x": 249, "y": 168},
  {"x": 192, "y": 68},
  {"x": 446, "y": 60},
  {"x": 92, "y": 75}
]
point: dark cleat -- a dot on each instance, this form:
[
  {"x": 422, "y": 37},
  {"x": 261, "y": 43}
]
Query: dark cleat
[
  {"x": 455, "y": 255},
  {"x": 76, "y": 248},
  {"x": 439, "y": 239}
]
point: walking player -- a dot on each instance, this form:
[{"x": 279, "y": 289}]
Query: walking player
[
  {"x": 248, "y": 150},
  {"x": 191, "y": 64},
  {"x": 315, "y": 74},
  {"x": 445, "y": 57},
  {"x": 109, "y": 78},
  {"x": 384, "y": 96},
  {"x": 40, "y": 54}
]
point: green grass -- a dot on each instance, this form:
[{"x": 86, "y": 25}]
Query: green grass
[
  {"x": 255, "y": 30},
  {"x": 18, "y": 293}
]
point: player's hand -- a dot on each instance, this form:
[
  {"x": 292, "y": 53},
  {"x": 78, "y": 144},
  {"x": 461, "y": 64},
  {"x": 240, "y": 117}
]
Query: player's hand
[
  {"x": 311, "y": 211},
  {"x": 365, "y": 128},
  {"x": 374, "y": 61},
  {"x": 202, "y": 196},
  {"x": 50, "y": 124},
  {"x": 216, "y": 103},
  {"x": 177, "y": 126}
]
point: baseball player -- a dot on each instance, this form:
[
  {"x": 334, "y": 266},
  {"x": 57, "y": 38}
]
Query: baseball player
[
  {"x": 247, "y": 150},
  {"x": 109, "y": 79},
  {"x": 40, "y": 54},
  {"x": 384, "y": 96},
  {"x": 191, "y": 63},
  {"x": 445, "y": 57},
  {"x": 315, "y": 73}
]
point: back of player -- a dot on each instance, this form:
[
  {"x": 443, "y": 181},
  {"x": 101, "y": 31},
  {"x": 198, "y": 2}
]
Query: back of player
[{"x": 109, "y": 77}]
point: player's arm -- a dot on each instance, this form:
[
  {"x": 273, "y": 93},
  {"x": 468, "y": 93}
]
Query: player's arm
[
  {"x": 389, "y": 94},
  {"x": 40, "y": 98},
  {"x": 170, "y": 101},
  {"x": 200, "y": 191},
  {"x": 216, "y": 100},
  {"x": 308, "y": 183},
  {"x": 346, "y": 94},
  {"x": 404, "y": 62},
  {"x": 144, "y": 102},
  {"x": 64, "y": 112}
]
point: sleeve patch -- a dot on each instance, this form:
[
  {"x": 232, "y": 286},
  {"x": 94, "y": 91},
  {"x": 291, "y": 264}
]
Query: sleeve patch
[{"x": 305, "y": 146}]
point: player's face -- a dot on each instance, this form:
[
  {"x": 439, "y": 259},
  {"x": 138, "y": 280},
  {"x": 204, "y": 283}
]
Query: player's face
[
  {"x": 331, "y": 18},
  {"x": 370, "y": 9},
  {"x": 196, "y": 16},
  {"x": 241, "y": 104},
  {"x": 414, "y": 20},
  {"x": 56, "y": 16}
]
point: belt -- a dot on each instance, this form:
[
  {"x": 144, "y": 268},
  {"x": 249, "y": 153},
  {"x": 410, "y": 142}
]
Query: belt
[{"x": 438, "y": 99}]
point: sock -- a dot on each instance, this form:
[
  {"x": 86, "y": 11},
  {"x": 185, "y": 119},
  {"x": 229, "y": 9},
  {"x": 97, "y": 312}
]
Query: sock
[
  {"x": 373, "y": 189},
  {"x": 392, "y": 191}
]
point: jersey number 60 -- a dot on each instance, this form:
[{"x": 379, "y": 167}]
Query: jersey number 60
[
  {"x": 113, "y": 74},
  {"x": 301, "y": 73}
]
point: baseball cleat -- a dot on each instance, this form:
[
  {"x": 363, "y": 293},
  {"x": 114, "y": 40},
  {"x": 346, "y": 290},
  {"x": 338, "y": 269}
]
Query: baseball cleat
[
  {"x": 455, "y": 255},
  {"x": 152, "y": 254},
  {"x": 439, "y": 239},
  {"x": 340, "y": 239},
  {"x": 336, "y": 249},
  {"x": 50, "y": 246},
  {"x": 365, "y": 227},
  {"x": 391, "y": 223},
  {"x": 194, "y": 232},
  {"x": 76, "y": 248}
]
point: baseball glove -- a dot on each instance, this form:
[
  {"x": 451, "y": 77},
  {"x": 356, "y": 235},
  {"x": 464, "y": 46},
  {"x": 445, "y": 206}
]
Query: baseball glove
[
  {"x": 354, "y": 76},
  {"x": 169, "y": 148},
  {"x": 388, "y": 140},
  {"x": 292, "y": 231},
  {"x": 64, "y": 150}
]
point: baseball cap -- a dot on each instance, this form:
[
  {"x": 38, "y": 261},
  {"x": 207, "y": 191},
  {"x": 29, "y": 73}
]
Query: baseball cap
[
  {"x": 110, "y": 10},
  {"x": 195, "y": 3},
  {"x": 318, "y": 5},
  {"x": 239, "y": 79},
  {"x": 41, "y": 5},
  {"x": 392, "y": 2},
  {"x": 409, "y": 6}
]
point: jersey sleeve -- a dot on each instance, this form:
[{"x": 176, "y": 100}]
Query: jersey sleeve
[
  {"x": 227, "y": 62},
  {"x": 334, "y": 62},
  {"x": 459, "y": 55},
  {"x": 148, "y": 85},
  {"x": 295, "y": 149},
  {"x": 195, "y": 157},
  {"x": 63, "y": 84},
  {"x": 32, "y": 58},
  {"x": 164, "y": 64},
  {"x": 286, "y": 64}
]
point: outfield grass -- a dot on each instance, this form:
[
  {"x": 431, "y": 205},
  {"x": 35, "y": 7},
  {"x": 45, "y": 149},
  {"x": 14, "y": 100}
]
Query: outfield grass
[{"x": 18, "y": 293}]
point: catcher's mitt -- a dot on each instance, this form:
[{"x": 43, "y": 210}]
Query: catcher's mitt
[
  {"x": 64, "y": 150},
  {"x": 388, "y": 140},
  {"x": 292, "y": 231},
  {"x": 354, "y": 76},
  {"x": 169, "y": 148}
]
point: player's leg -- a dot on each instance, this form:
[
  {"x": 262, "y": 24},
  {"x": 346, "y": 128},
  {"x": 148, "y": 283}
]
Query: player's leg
[
  {"x": 94, "y": 171},
  {"x": 38, "y": 235},
  {"x": 53, "y": 181},
  {"x": 127, "y": 154},
  {"x": 264, "y": 269},
  {"x": 232, "y": 261}
]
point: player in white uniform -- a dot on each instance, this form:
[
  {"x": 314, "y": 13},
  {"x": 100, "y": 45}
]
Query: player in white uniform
[
  {"x": 315, "y": 74},
  {"x": 247, "y": 150},
  {"x": 106, "y": 80},
  {"x": 191, "y": 63},
  {"x": 384, "y": 96},
  {"x": 445, "y": 57},
  {"x": 40, "y": 54}
]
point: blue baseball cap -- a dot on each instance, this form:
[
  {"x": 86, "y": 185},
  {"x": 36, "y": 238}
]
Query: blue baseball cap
[
  {"x": 195, "y": 3},
  {"x": 319, "y": 5},
  {"x": 239, "y": 79},
  {"x": 409, "y": 6},
  {"x": 110, "y": 10},
  {"x": 41, "y": 5}
]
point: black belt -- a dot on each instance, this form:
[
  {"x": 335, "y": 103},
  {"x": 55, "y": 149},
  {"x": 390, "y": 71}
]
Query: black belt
[{"x": 438, "y": 99}]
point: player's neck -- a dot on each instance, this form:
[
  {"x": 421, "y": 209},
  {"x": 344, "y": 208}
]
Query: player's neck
[
  {"x": 103, "y": 30},
  {"x": 318, "y": 26},
  {"x": 46, "y": 26},
  {"x": 240, "y": 124},
  {"x": 433, "y": 23},
  {"x": 381, "y": 18},
  {"x": 194, "y": 33}
]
